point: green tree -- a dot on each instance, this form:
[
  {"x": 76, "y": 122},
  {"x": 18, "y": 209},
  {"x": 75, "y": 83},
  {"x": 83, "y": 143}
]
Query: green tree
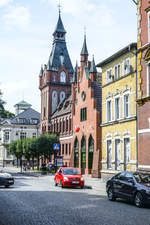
[{"x": 4, "y": 113}]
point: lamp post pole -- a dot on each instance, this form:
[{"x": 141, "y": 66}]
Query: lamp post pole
[{"x": 21, "y": 150}]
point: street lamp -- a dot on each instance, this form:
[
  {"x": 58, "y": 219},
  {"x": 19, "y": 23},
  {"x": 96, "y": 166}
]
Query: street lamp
[{"x": 21, "y": 137}]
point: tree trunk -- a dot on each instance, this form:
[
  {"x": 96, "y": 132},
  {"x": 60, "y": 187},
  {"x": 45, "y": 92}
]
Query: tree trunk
[
  {"x": 33, "y": 163},
  {"x": 38, "y": 159}
]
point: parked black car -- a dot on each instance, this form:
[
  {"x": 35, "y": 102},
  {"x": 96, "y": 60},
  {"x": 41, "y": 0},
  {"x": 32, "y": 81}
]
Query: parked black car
[
  {"x": 134, "y": 187},
  {"x": 6, "y": 179}
]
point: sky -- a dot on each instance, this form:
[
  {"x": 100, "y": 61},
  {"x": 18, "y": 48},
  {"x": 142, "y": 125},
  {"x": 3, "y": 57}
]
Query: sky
[{"x": 26, "y": 28}]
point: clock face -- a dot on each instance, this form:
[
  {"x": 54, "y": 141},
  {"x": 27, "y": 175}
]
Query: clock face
[
  {"x": 63, "y": 77},
  {"x": 83, "y": 95}
]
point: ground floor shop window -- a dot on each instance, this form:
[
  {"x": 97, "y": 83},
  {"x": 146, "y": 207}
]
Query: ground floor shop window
[
  {"x": 117, "y": 154},
  {"x": 109, "y": 154},
  {"x": 126, "y": 152}
]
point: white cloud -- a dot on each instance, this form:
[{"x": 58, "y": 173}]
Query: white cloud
[
  {"x": 5, "y": 2},
  {"x": 11, "y": 88},
  {"x": 73, "y": 6},
  {"x": 17, "y": 16}
]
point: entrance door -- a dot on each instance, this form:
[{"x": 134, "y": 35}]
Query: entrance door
[
  {"x": 117, "y": 154},
  {"x": 83, "y": 155},
  {"x": 90, "y": 152},
  {"x": 76, "y": 153}
]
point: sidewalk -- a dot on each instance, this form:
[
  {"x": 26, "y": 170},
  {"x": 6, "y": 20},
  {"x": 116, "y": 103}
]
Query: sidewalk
[{"x": 95, "y": 183}]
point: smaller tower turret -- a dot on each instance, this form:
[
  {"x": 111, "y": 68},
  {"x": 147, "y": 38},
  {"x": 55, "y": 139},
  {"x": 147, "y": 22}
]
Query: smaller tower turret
[
  {"x": 93, "y": 70},
  {"x": 84, "y": 53}
]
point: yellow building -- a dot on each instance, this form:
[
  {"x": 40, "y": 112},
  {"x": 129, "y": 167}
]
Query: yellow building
[{"x": 119, "y": 134}]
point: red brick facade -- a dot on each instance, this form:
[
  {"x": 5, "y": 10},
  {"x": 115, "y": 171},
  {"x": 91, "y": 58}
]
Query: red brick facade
[
  {"x": 88, "y": 131},
  {"x": 144, "y": 85}
]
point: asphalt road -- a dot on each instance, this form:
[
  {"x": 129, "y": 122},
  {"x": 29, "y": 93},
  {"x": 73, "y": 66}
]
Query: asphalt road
[{"x": 36, "y": 201}]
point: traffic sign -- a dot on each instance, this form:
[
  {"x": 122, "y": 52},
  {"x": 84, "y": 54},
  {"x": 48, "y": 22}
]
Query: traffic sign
[{"x": 56, "y": 146}]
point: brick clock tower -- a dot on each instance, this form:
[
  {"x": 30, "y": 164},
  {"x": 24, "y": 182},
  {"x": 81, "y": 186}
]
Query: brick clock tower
[{"x": 56, "y": 77}]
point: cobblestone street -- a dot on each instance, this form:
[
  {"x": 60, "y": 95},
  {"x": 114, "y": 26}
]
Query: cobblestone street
[{"x": 36, "y": 201}]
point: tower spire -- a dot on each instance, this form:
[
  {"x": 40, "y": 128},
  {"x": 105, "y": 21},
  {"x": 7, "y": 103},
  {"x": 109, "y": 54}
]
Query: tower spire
[
  {"x": 93, "y": 67},
  {"x": 84, "y": 50}
]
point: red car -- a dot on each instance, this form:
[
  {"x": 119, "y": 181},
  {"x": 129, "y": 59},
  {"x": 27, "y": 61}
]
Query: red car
[{"x": 68, "y": 177}]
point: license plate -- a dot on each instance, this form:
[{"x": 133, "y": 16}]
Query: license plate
[
  {"x": 75, "y": 182},
  {"x": 10, "y": 181}
]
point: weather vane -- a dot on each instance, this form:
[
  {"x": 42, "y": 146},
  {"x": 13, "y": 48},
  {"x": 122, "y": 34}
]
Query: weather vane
[
  {"x": 85, "y": 30},
  {"x": 59, "y": 7}
]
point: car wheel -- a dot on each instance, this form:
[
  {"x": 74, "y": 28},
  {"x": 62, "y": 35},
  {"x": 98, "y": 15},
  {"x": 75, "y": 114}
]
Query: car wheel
[
  {"x": 6, "y": 186},
  {"x": 138, "y": 200},
  {"x": 110, "y": 195},
  {"x": 61, "y": 184},
  {"x": 82, "y": 187},
  {"x": 55, "y": 183}
]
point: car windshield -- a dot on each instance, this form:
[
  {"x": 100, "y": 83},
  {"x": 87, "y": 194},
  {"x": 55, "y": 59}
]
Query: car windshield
[
  {"x": 71, "y": 172},
  {"x": 142, "y": 178}
]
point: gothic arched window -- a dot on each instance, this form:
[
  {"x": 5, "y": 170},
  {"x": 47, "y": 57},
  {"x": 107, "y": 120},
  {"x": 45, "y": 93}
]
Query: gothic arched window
[
  {"x": 62, "y": 96},
  {"x": 54, "y": 100},
  {"x": 63, "y": 77}
]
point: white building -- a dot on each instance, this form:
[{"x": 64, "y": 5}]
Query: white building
[{"x": 24, "y": 125}]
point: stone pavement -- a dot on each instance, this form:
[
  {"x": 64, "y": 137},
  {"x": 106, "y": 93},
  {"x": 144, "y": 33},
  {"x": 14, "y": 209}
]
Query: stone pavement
[{"x": 91, "y": 183}]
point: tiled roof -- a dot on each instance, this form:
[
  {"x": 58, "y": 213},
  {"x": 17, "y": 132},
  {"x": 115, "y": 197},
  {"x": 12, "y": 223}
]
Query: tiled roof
[
  {"x": 27, "y": 115},
  {"x": 97, "y": 94},
  {"x": 63, "y": 108},
  {"x": 93, "y": 67},
  {"x": 59, "y": 27},
  {"x": 59, "y": 49}
]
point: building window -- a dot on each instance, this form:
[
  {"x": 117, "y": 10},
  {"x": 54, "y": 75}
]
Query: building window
[
  {"x": 60, "y": 126},
  {"x": 62, "y": 96},
  {"x": 126, "y": 152},
  {"x": 69, "y": 124},
  {"x": 69, "y": 148},
  {"x": 117, "y": 71},
  {"x": 117, "y": 154},
  {"x": 83, "y": 114},
  {"x": 6, "y": 137},
  {"x": 109, "y": 75},
  {"x": 34, "y": 135},
  {"x": 23, "y": 135},
  {"x": 63, "y": 126},
  {"x": 109, "y": 154},
  {"x": 126, "y": 66},
  {"x": 148, "y": 79},
  {"x": 66, "y": 124},
  {"x": 57, "y": 127},
  {"x": 66, "y": 149},
  {"x": 126, "y": 105},
  {"x": 108, "y": 111},
  {"x": 54, "y": 78},
  {"x": 62, "y": 149},
  {"x": 117, "y": 108},
  {"x": 63, "y": 77}
]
